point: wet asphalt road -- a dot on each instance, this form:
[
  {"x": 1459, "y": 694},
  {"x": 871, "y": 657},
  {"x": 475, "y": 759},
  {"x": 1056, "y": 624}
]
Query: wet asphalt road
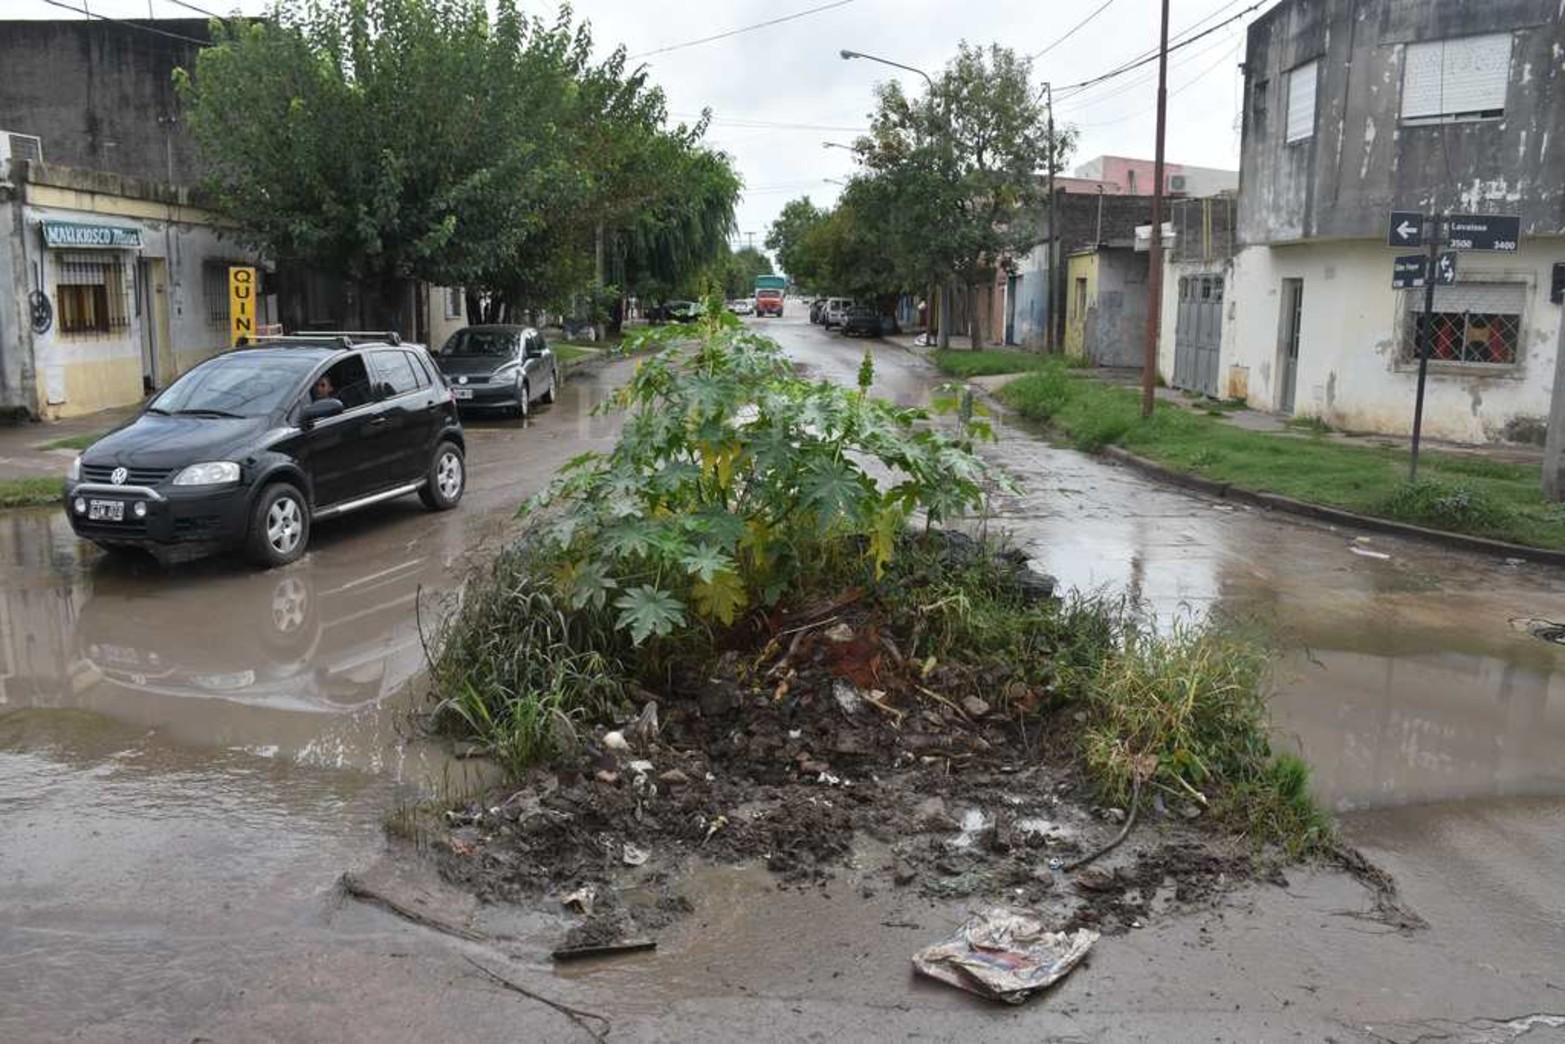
[{"x": 190, "y": 758}]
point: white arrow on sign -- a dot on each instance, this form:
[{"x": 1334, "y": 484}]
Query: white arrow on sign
[{"x": 1406, "y": 231}]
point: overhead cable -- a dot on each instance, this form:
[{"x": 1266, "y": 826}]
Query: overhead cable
[{"x": 743, "y": 29}]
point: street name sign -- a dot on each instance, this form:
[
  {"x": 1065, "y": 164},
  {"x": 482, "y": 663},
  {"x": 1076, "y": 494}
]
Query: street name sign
[
  {"x": 1407, "y": 272},
  {"x": 1483, "y": 232},
  {"x": 1406, "y": 229}
]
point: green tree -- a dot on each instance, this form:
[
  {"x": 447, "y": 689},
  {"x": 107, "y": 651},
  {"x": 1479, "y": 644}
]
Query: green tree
[
  {"x": 966, "y": 164},
  {"x": 389, "y": 140},
  {"x": 787, "y": 234},
  {"x": 740, "y": 268}
]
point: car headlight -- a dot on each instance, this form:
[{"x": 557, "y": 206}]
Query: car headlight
[
  {"x": 212, "y": 473},
  {"x": 74, "y": 471},
  {"x": 507, "y": 372}
]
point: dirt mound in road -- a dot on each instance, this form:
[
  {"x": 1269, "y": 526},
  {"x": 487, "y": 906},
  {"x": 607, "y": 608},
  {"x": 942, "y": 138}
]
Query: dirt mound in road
[{"x": 827, "y": 748}]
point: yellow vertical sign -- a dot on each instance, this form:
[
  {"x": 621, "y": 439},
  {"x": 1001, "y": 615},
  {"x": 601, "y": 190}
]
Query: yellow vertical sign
[{"x": 241, "y": 305}]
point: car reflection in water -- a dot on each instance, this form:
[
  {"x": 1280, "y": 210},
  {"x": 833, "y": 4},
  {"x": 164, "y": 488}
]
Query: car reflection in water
[{"x": 311, "y": 663}]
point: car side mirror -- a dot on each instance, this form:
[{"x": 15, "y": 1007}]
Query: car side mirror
[
  {"x": 534, "y": 349},
  {"x": 320, "y": 409}
]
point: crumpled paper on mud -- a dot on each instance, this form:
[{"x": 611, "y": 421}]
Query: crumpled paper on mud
[{"x": 1004, "y": 956}]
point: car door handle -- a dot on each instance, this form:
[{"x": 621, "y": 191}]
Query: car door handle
[{"x": 376, "y": 422}]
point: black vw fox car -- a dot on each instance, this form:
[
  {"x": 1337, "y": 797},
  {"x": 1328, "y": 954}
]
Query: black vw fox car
[{"x": 253, "y": 446}]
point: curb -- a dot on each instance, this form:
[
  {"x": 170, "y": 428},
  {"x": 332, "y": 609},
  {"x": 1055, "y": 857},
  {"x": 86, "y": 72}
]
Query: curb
[
  {"x": 1322, "y": 513},
  {"x": 1305, "y": 509}
]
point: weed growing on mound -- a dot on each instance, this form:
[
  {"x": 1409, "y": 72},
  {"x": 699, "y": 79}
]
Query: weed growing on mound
[{"x": 735, "y": 483}]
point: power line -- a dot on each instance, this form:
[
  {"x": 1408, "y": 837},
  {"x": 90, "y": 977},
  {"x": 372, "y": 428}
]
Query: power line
[
  {"x": 1072, "y": 30},
  {"x": 1136, "y": 63},
  {"x": 743, "y": 124},
  {"x": 132, "y": 25},
  {"x": 199, "y": 10},
  {"x": 1225, "y": 56},
  {"x": 1130, "y": 85},
  {"x": 743, "y": 29}
]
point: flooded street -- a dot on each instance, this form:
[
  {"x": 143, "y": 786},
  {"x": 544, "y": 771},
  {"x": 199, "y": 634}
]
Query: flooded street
[{"x": 190, "y": 758}]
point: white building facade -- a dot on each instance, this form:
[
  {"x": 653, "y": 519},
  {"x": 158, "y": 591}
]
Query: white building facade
[{"x": 1357, "y": 109}]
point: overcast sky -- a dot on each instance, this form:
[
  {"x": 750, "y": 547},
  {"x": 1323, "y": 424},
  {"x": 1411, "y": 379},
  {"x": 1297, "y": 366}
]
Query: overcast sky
[{"x": 777, "y": 93}]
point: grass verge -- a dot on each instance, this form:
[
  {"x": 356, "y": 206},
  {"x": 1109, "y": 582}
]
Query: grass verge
[
  {"x": 75, "y": 442},
  {"x": 29, "y": 492},
  {"x": 1456, "y": 492},
  {"x": 962, "y": 363},
  {"x": 570, "y": 352}
]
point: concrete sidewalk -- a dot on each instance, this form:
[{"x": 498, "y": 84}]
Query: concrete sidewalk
[{"x": 24, "y": 448}]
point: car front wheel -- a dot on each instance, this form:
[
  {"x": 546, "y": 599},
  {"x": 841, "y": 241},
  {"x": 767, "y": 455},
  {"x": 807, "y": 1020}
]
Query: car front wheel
[
  {"x": 447, "y": 478},
  {"x": 554, "y": 383},
  {"x": 279, "y": 526},
  {"x": 523, "y": 400}
]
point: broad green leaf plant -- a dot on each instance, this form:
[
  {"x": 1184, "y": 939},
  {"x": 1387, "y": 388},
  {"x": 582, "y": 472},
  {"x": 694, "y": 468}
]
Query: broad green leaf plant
[{"x": 735, "y": 482}]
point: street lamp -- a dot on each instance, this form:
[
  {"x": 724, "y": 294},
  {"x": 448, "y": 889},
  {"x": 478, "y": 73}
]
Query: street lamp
[
  {"x": 837, "y": 145},
  {"x": 834, "y": 181},
  {"x": 848, "y": 55},
  {"x": 945, "y": 290}
]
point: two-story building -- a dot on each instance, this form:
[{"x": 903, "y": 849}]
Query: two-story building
[{"x": 1353, "y": 110}]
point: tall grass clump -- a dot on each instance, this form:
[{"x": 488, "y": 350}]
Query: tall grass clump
[
  {"x": 519, "y": 670},
  {"x": 1185, "y": 713},
  {"x": 1443, "y": 505}
]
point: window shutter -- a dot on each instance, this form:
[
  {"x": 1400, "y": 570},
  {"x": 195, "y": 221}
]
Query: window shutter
[
  {"x": 1456, "y": 77},
  {"x": 1301, "y": 101}
]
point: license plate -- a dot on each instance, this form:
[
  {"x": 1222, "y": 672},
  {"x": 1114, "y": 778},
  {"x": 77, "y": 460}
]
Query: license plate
[
  {"x": 462, "y": 393},
  {"x": 106, "y": 510}
]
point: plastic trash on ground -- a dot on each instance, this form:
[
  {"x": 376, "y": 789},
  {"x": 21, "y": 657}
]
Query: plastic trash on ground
[{"x": 1004, "y": 956}]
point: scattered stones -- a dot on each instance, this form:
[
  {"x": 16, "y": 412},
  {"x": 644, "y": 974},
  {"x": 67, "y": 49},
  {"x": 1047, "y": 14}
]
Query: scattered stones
[
  {"x": 975, "y": 707},
  {"x": 674, "y": 778},
  {"x": 616, "y": 742}
]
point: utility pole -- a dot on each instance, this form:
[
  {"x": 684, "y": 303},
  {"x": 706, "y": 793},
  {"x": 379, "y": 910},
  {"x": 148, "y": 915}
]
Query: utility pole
[
  {"x": 1554, "y": 445},
  {"x": 1050, "y": 296},
  {"x": 1155, "y": 256}
]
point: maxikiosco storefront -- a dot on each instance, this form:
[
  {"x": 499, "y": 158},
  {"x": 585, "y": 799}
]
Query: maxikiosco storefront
[{"x": 126, "y": 287}]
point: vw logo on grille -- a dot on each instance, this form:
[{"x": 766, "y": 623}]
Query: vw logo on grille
[
  {"x": 118, "y": 476},
  {"x": 461, "y": 380}
]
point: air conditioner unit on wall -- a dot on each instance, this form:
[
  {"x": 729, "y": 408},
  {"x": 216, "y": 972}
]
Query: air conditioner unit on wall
[
  {"x": 20, "y": 147},
  {"x": 1176, "y": 183}
]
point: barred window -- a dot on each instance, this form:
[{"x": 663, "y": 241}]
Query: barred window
[
  {"x": 1471, "y": 323},
  {"x": 454, "y": 302},
  {"x": 214, "y": 293},
  {"x": 90, "y": 289}
]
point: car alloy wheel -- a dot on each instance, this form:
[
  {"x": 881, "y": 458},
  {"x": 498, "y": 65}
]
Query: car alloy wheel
[
  {"x": 284, "y": 525},
  {"x": 448, "y": 474}
]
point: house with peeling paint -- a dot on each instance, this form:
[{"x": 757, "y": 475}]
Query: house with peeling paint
[{"x": 1356, "y": 108}]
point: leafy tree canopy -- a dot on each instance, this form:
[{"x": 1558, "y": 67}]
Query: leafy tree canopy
[{"x": 396, "y": 139}]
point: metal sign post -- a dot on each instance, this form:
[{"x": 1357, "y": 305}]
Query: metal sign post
[
  {"x": 1492, "y": 232},
  {"x": 1425, "y": 336}
]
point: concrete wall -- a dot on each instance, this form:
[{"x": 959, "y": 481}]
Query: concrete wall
[
  {"x": 1029, "y": 305},
  {"x": 100, "y": 93},
  {"x": 443, "y": 319},
  {"x": 1362, "y": 160},
  {"x": 1118, "y": 329},
  {"x": 1350, "y": 372}
]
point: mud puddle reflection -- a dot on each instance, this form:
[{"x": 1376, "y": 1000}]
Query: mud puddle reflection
[{"x": 1409, "y": 675}]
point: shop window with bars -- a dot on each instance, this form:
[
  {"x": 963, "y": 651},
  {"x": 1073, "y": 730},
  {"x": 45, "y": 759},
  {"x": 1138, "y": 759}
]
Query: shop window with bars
[
  {"x": 1477, "y": 323},
  {"x": 214, "y": 293},
  {"x": 91, "y": 295}
]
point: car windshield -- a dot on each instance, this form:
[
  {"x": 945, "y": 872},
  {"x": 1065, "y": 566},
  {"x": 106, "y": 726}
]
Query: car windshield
[
  {"x": 238, "y": 385},
  {"x": 492, "y": 343}
]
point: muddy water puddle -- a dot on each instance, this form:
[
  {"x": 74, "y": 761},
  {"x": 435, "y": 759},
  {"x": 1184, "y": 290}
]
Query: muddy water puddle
[{"x": 1409, "y": 673}]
